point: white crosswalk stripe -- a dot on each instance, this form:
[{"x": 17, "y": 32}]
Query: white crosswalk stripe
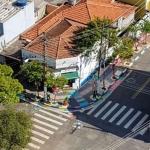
[
  {"x": 44, "y": 127},
  {"x": 140, "y": 122},
  {"x": 143, "y": 131},
  {"x": 124, "y": 116},
  {"x": 34, "y": 146},
  {"x": 132, "y": 119},
  {"x": 118, "y": 113},
  {"x": 40, "y": 134},
  {"x": 50, "y": 114},
  {"x": 37, "y": 140},
  {"x": 49, "y": 119},
  {"x": 94, "y": 108},
  {"x": 44, "y": 123},
  {"x": 110, "y": 111},
  {"x": 103, "y": 108}
]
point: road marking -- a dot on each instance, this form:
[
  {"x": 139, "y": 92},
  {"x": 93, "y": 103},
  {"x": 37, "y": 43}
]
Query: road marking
[
  {"x": 141, "y": 88},
  {"x": 34, "y": 146},
  {"x": 56, "y": 111},
  {"x": 140, "y": 122},
  {"x": 117, "y": 114},
  {"x": 143, "y": 131},
  {"x": 49, "y": 119},
  {"x": 132, "y": 119},
  {"x": 124, "y": 117},
  {"x": 44, "y": 123},
  {"x": 81, "y": 111},
  {"x": 142, "y": 52},
  {"x": 136, "y": 58},
  {"x": 50, "y": 114},
  {"x": 43, "y": 129},
  {"x": 103, "y": 108},
  {"x": 40, "y": 134},
  {"x": 94, "y": 108},
  {"x": 37, "y": 140},
  {"x": 110, "y": 111}
]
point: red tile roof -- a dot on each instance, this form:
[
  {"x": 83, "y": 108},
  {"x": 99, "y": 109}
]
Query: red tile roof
[
  {"x": 44, "y": 24},
  {"x": 77, "y": 16},
  {"x": 59, "y": 46}
]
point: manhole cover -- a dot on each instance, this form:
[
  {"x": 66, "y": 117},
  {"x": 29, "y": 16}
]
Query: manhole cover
[{"x": 130, "y": 80}]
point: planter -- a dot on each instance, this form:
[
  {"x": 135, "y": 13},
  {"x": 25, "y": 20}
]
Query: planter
[
  {"x": 54, "y": 103},
  {"x": 65, "y": 103}
]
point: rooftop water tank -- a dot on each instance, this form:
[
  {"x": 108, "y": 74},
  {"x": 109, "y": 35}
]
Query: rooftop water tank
[{"x": 21, "y": 2}]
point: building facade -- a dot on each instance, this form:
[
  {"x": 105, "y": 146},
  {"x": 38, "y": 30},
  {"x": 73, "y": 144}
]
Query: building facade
[
  {"x": 60, "y": 27},
  {"x": 14, "y": 20}
]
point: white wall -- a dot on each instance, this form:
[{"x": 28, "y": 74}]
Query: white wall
[
  {"x": 127, "y": 21},
  {"x": 2, "y": 43},
  {"x": 67, "y": 62},
  {"x": 30, "y": 55},
  {"x": 19, "y": 22}
]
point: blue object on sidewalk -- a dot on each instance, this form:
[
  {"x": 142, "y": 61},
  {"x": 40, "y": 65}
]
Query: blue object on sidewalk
[
  {"x": 84, "y": 104},
  {"x": 36, "y": 107}
]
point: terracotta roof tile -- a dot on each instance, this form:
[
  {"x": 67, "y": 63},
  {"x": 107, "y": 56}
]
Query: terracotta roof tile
[
  {"x": 78, "y": 13},
  {"x": 44, "y": 24},
  {"x": 60, "y": 45},
  {"x": 82, "y": 12},
  {"x": 63, "y": 22}
]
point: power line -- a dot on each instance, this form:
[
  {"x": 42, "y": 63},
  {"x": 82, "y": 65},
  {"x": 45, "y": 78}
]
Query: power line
[{"x": 127, "y": 137}]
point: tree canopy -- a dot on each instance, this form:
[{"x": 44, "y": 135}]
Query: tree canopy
[
  {"x": 15, "y": 129},
  {"x": 124, "y": 49},
  {"x": 95, "y": 30},
  {"x": 34, "y": 72},
  {"x": 59, "y": 81},
  {"x": 9, "y": 87},
  {"x": 6, "y": 70}
]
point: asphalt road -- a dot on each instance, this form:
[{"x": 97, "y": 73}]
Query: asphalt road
[{"x": 127, "y": 107}]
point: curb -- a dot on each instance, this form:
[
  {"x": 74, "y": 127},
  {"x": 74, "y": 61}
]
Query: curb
[
  {"x": 65, "y": 108},
  {"x": 139, "y": 55}
]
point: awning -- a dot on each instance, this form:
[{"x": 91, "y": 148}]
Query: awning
[{"x": 70, "y": 75}]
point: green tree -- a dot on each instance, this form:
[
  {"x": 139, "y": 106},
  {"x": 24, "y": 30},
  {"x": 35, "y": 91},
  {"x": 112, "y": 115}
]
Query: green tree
[
  {"x": 92, "y": 33},
  {"x": 61, "y": 81},
  {"x": 9, "y": 87},
  {"x": 34, "y": 72},
  {"x": 53, "y": 81},
  {"x": 15, "y": 127},
  {"x": 134, "y": 29},
  {"x": 97, "y": 30},
  {"x": 145, "y": 28},
  {"x": 6, "y": 70},
  {"x": 124, "y": 49}
]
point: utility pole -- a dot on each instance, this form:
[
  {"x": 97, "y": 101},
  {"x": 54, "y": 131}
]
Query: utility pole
[
  {"x": 44, "y": 63},
  {"x": 99, "y": 65}
]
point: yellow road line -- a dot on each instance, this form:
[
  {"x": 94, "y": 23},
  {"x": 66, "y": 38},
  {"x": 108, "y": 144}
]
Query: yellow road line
[{"x": 141, "y": 88}]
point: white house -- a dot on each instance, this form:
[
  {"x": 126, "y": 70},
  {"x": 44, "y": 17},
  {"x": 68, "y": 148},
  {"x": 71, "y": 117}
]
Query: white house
[
  {"x": 15, "y": 18},
  {"x": 60, "y": 27}
]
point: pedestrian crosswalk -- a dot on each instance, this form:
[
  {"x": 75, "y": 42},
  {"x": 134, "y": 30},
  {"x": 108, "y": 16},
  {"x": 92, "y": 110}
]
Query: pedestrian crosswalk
[
  {"x": 120, "y": 115},
  {"x": 45, "y": 124}
]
